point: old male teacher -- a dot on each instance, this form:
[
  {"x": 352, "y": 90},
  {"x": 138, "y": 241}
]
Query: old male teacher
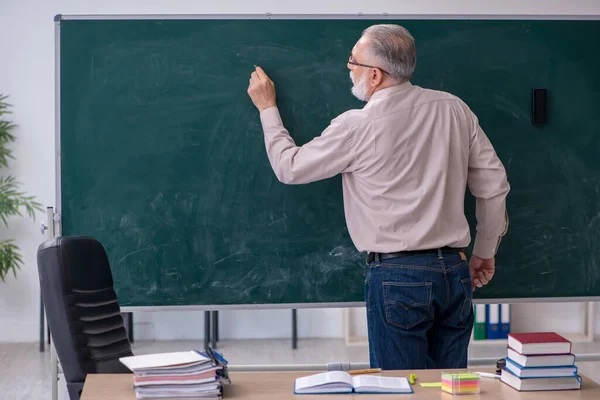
[{"x": 406, "y": 159}]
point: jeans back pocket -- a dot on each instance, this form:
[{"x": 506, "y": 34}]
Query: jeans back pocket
[{"x": 406, "y": 304}]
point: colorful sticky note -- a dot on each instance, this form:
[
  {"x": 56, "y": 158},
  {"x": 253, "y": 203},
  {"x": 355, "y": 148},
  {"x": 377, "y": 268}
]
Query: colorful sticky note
[{"x": 431, "y": 384}]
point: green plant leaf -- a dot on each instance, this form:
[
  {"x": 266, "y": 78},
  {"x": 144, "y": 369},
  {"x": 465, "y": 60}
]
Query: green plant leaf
[
  {"x": 10, "y": 259},
  {"x": 12, "y": 199}
]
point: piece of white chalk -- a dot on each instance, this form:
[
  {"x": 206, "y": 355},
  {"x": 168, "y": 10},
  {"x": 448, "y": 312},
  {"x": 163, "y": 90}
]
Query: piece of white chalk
[{"x": 488, "y": 375}]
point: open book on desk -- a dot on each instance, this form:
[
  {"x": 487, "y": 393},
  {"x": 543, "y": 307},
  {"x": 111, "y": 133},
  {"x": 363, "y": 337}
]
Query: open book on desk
[{"x": 342, "y": 382}]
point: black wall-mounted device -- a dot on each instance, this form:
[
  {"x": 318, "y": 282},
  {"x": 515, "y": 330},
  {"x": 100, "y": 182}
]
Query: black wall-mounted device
[{"x": 539, "y": 109}]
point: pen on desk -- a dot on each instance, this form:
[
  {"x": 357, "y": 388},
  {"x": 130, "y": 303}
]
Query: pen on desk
[
  {"x": 488, "y": 375},
  {"x": 364, "y": 371}
]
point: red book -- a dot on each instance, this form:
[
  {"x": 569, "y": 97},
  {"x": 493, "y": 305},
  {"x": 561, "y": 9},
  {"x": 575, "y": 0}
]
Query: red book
[{"x": 539, "y": 343}]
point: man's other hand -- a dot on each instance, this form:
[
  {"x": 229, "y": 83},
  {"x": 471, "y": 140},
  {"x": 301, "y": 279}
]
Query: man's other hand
[
  {"x": 261, "y": 90},
  {"x": 482, "y": 271}
]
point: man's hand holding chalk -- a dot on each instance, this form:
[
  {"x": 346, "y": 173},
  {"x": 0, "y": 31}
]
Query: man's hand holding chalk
[{"x": 261, "y": 90}]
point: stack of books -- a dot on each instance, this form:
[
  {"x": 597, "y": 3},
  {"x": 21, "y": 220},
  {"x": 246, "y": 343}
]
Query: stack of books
[
  {"x": 540, "y": 361},
  {"x": 178, "y": 375}
]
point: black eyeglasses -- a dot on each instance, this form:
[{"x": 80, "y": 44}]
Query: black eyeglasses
[{"x": 351, "y": 61}]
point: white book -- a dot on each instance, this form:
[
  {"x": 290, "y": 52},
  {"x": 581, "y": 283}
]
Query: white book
[
  {"x": 541, "y": 372},
  {"x": 342, "y": 382},
  {"x": 554, "y": 360},
  {"x": 534, "y": 384}
]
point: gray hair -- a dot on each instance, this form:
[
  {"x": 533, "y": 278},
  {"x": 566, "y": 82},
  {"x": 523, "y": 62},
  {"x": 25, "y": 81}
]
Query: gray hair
[{"x": 394, "y": 47}]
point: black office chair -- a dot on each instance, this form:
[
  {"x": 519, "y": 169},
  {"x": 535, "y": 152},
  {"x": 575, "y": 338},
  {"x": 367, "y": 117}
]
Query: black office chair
[{"x": 81, "y": 306}]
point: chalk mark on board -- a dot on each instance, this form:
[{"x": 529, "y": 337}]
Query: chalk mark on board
[
  {"x": 140, "y": 250},
  {"x": 237, "y": 253}
]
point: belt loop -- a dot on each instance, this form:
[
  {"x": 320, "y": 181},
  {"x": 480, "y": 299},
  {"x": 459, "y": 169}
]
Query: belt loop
[
  {"x": 440, "y": 254},
  {"x": 377, "y": 258}
]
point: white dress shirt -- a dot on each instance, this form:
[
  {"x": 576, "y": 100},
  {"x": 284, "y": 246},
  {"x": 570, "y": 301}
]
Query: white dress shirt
[{"x": 406, "y": 159}]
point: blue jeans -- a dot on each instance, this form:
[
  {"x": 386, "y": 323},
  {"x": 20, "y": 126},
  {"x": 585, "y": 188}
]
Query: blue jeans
[{"x": 419, "y": 311}]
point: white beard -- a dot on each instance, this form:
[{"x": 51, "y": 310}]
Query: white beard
[{"x": 359, "y": 89}]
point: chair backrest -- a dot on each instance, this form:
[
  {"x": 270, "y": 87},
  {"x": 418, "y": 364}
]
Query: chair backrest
[{"x": 83, "y": 314}]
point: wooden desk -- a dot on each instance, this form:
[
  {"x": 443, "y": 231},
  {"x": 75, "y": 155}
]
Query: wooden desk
[{"x": 279, "y": 386}]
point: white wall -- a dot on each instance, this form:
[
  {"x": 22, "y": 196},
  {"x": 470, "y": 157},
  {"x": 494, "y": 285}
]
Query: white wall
[{"x": 27, "y": 74}]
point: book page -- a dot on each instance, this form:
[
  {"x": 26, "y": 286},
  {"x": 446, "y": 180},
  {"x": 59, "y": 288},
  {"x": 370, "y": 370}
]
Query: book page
[
  {"x": 329, "y": 379},
  {"x": 374, "y": 383}
]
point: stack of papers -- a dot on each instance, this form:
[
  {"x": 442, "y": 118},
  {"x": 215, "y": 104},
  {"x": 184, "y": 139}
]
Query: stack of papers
[{"x": 178, "y": 375}]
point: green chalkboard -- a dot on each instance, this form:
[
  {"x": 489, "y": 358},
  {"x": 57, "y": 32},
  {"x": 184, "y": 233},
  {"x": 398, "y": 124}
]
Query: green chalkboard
[{"x": 162, "y": 155}]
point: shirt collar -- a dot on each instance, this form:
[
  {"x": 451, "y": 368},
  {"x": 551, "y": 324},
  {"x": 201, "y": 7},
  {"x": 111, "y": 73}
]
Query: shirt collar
[{"x": 390, "y": 91}]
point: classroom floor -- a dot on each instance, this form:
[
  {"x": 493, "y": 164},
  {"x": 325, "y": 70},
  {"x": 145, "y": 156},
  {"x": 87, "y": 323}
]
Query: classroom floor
[{"x": 26, "y": 371}]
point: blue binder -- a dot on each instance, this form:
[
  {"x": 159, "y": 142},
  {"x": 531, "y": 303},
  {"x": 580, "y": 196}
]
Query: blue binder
[
  {"x": 493, "y": 321},
  {"x": 504, "y": 321}
]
